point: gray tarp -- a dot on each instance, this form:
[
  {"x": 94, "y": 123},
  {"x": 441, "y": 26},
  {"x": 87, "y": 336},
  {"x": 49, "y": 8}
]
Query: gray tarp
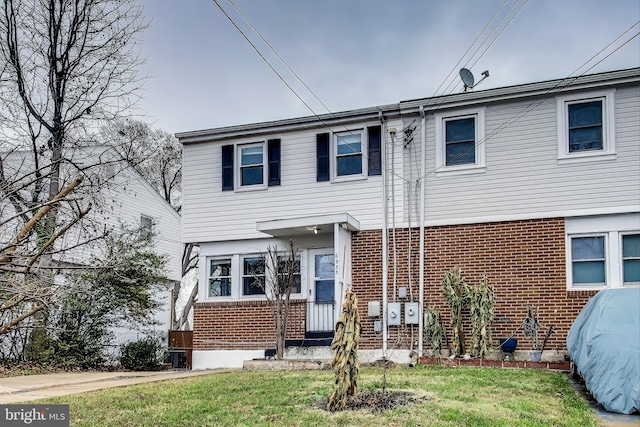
[{"x": 604, "y": 343}]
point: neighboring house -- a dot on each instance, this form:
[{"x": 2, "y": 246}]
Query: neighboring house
[
  {"x": 124, "y": 198},
  {"x": 134, "y": 201},
  {"x": 535, "y": 186}
]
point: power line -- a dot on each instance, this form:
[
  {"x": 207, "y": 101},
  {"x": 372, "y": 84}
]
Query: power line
[
  {"x": 552, "y": 91},
  {"x": 355, "y": 150}
]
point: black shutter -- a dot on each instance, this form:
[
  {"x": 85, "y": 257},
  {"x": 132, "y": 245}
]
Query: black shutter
[
  {"x": 375, "y": 151},
  {"x": 273, "y": 151},
  {"x": 227, "y": 167},
  {"x": 322, "y": 155}
]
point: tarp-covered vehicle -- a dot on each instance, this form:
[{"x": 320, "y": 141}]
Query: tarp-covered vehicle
[{"x": 604, "y": 344}]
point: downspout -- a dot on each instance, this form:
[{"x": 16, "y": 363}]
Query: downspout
[
  {"x": 423, "y": 179},
  {"x": 385, "y": 254}
]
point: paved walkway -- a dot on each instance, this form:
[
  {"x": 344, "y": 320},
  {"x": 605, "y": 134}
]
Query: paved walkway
[{"x": 33, "y": 387}]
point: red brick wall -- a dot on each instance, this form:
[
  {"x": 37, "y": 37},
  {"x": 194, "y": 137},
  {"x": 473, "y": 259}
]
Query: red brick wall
[
  {"x": 241, "y": 325},
  {"x": 523, "y": 260}
]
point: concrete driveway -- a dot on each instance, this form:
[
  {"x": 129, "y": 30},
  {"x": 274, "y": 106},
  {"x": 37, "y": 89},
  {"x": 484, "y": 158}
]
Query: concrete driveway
[{"x": 32, "y": 387}]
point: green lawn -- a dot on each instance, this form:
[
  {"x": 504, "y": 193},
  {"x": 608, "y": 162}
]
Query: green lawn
[{"x": 449, "y": 397}]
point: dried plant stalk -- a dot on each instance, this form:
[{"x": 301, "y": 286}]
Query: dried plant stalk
[{"x": 345, "y": 345}]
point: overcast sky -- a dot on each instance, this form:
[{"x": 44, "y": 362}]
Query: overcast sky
[{"x": 361, "y": 53}]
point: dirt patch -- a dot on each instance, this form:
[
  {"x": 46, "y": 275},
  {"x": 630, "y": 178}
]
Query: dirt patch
[{"x": 378, "y": 401}]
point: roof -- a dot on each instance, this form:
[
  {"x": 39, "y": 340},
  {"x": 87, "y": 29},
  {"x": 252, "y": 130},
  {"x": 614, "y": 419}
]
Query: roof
[{"x": 548, "y": 87}]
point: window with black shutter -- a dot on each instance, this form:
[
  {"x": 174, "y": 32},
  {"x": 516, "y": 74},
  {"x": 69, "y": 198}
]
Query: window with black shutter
[
  {"x": 375, "y": 150},
  {"x": 322, "y": 155},
  {"x": 227, "y": 167},
  {"x": 274, "y": 161}
]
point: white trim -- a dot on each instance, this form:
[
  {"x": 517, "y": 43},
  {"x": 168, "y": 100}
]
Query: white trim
[
  {"x": 569, "y": 263},
  {"x": 238, "y": 167},
  {"x": 307, "y": 225},
  {"x": 333, "y": 153},
  {"x": 534, "y": 215},
  {"x": 622, "y": 234},
  {"x": 242, "y": 296},
  {"x": 229, "y": 297},
  {"x": 612, "y": 227},
  {"x": 480, "y": 164},
  {"x": 608, "y": 151}
]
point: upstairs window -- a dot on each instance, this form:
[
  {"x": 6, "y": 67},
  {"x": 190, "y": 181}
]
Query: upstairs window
[
  {"x": 585, "y": 126},
  {"x": 344, "y": 155},
  {"x": 251, "y": 164},
  {"x": 460, "y": 141},
  {"x": 460, "y": 144},
  {"x": 348, "y": 149}
]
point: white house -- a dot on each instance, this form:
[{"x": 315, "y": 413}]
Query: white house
[
  {"x": 535, "y": 186},
  {"x": 123, "y": 197}
]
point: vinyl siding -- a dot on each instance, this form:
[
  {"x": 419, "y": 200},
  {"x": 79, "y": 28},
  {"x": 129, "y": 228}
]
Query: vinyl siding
[
  {"x": 209, "y": 214},
  {"x": 523, "y": 177}
]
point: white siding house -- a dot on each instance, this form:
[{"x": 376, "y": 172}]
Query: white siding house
[
  {"x": 123, "y": 198},
  {"x": 515, "y": 182}
]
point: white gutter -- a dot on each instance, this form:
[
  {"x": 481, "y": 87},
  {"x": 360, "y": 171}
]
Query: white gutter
[
  {"x": 385, "y": 254},
  {"x": 423, "y": 179}
]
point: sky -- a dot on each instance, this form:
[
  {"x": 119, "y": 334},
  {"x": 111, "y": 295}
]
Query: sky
[{"x": 354, "y": 54}]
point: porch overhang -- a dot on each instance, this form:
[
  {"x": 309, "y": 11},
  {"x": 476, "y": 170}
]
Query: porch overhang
[{"x": 320, "y": 224}]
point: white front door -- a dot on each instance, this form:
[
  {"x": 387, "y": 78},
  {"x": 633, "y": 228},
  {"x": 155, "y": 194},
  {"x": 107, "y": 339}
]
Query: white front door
[{"x": 320, "y": 313}]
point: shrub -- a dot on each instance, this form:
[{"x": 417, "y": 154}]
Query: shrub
[{"x": 146, "y": 354}]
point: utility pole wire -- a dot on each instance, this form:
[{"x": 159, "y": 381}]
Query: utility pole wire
[{"x": 355, "y": 150}]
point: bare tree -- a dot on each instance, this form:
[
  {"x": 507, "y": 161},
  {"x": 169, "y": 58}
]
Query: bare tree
[
  {"x": 157, "y": 156},
  {"x": 26, "y": 276},
  {"x": 66, "y": 67},
  {"x": 278, "y": 274},
  {"x": 153, "y": 153}
]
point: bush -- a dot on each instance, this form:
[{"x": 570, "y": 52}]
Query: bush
[{"x": 144, "y": 355}]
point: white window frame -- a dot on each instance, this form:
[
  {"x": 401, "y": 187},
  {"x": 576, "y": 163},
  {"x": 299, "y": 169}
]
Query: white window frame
[
  {"x": 147, "y": 224},
  {"x": 298, "y": 257},
  {"x": 480, "y": 142},
  {"x": 608, "y": 151},
  {"x": 607, "y": 261},
  {"x": 613, "y": 226},
  {"x": 209, "y": 297},
  {"x": 364, "y": 137},
  {"x": 259, "y": 296},
  {"x": 626, "y": 284},
  {"x": 237, "y": 274},
  {"x": 238, "y": 166}
]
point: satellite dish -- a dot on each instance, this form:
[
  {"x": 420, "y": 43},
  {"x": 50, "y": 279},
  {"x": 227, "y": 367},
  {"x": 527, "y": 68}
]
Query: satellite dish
[
  {"x": 469, "y": 81},
  {"x": 467, "y": 78}
]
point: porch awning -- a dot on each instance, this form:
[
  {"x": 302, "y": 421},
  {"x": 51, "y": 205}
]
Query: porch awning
[{"x": 320, "y": 224}]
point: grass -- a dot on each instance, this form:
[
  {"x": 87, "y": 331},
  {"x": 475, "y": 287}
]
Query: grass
[{"x": 450, "y": 397}]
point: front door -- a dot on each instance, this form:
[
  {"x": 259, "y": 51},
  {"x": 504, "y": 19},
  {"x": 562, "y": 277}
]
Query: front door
[{"x": 320, "y": 313}]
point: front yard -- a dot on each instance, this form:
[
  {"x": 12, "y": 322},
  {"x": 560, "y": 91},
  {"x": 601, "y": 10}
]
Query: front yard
[{"x": 443, "y": 397}]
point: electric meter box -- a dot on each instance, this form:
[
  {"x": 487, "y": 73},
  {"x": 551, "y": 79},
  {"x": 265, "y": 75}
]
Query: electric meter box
[
  {"x": 373, "y": 308},
  {"x": 393, "y": 314},
  {"x": 411, "y": 312}
]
